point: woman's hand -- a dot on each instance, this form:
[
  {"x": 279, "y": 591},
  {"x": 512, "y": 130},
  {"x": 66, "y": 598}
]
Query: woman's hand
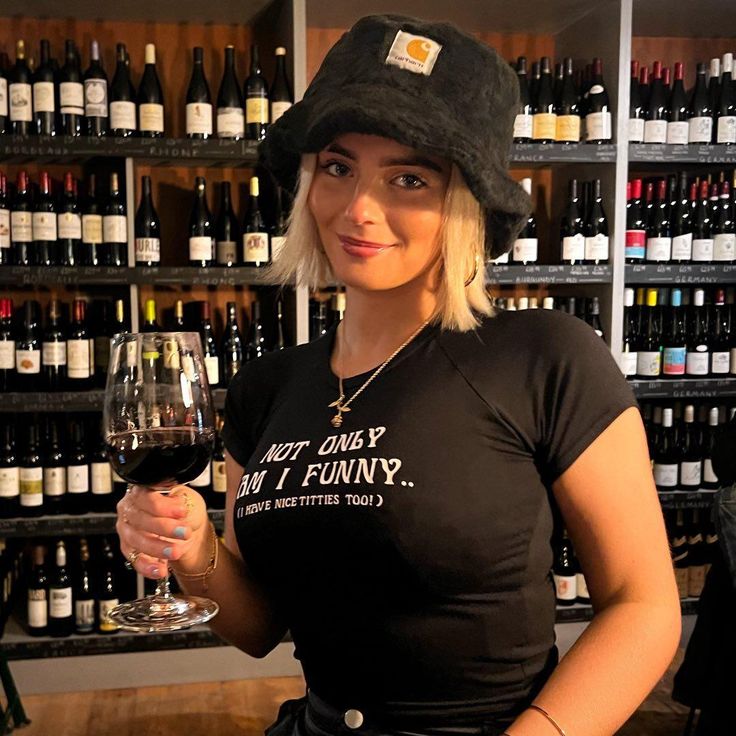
[{"x": 157, "y": 529}]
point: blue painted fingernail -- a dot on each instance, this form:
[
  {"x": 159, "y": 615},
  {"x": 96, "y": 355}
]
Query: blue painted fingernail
[
  {"x": 168, "y": 551},
  {"x": 180, "y": 532}
]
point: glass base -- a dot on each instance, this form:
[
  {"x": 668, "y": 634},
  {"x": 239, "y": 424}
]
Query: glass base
[{"x": 163, "y": 613}]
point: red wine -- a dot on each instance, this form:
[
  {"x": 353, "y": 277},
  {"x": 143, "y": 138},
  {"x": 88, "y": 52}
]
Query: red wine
[{"x": 151, "y": 457}]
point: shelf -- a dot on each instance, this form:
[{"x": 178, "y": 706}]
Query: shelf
[
  {"x": 542, "y": 274},
  {"x": 686, "y": 388},
  {"x": 551, "y": 153},
  {"x": 161, "y": 151},
  {"x": 662, "y": 153},
  {"x": 687, "y": 500},
  {"x": 674, "y": 273}
]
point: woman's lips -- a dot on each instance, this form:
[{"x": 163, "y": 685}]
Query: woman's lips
[{"x": 362, "y": 248}]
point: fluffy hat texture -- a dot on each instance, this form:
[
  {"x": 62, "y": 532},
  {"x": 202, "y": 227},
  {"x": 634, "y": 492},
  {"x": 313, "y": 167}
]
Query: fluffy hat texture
[{"x": 373, "y": 81}]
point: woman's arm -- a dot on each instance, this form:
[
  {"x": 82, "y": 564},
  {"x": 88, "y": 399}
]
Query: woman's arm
[{"x": 609, "y": 503}]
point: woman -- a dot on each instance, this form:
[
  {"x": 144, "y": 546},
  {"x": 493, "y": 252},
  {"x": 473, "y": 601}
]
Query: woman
[{"x": 391, "y": 485}]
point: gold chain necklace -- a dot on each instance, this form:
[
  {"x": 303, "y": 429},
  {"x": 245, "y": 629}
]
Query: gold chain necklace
[{"x": 341, "y": 404}]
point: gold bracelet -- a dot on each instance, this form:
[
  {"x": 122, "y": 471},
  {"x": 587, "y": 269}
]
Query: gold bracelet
[
  {"x": 548, "y": 717},
  {"x": 211, "y": 567}
]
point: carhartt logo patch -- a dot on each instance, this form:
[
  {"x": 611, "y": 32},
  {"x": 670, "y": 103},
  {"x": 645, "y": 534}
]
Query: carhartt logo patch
[{"x": 415, "y": 53}]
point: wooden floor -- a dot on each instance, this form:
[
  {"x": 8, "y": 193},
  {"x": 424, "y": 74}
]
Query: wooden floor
[{"x": 240, "y": 708}]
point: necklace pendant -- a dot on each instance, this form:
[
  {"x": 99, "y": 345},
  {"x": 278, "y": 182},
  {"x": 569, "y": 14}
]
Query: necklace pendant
[{"x": 336, "y": 421}]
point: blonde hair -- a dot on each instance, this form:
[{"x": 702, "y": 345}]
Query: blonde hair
[{"x": 461, "y": 249}]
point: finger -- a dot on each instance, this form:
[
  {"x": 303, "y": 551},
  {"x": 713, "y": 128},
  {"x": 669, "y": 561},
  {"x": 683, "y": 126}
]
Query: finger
[
  {"x": 149, "y": 544},
  {"x": 157, "y": 504},
  {"x": 174, "y": 529},
  {"x": 146, "y": 565}
]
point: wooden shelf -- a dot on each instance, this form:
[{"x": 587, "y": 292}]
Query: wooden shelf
[
  {"x": 662, "y": 153},
  {"x": 674, "y": 273},
  {"x": 686, "y": 388},
  {"x": 544, "y": 274}
]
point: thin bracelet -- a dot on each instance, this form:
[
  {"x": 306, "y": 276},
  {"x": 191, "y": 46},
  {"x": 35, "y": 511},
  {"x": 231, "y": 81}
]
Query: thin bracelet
[
  {"x": 548, "y": 717},
  {"x": 211, "y": 567}
]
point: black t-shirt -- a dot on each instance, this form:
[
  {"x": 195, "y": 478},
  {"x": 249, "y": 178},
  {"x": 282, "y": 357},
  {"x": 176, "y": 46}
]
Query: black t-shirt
[{"x": 409, "y": 550}]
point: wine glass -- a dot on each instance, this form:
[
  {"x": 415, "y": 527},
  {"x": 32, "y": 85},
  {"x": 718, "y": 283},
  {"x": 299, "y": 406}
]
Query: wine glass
[{"x": 159, "y": 431}]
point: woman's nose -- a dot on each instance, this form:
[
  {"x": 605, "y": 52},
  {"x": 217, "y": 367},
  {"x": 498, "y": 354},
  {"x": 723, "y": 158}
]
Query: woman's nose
[{"x": 364, "y": 206}]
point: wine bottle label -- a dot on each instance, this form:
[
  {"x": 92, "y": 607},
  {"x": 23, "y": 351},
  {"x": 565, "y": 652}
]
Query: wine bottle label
[
  {"x": 95, "y": 98},
  {"x": 3, "y": 97},
  {"x": 92, "y": 229},
  {"x": 596, "y": 248},
  {"x": 523, "y": 126},
  {"x": 256, "y": 110},
  {"x": 69, "y": 225},
  {"x": 573, "y": 248},
  {"x": 721, "y": 362},
  {"x": 702, "y": 249},
  {"x": 21, "y": 225},
  {"x": 44, "y": 226},
  {"x": 691, "y": 473},
  {"x": 230, "y": 122},
  {"x": 732, "y": 361},
  {"x": 101, "y": 478},
  {"x": 116, "y": 479},
  {"x": 695, "y": 580},
  {"x": 655, "y": 131},
  {"x": 568, "y": 128},
  {"x": 503, "y": 258},
  {"x": 152, "y": 117},
  {"x": 54, "y": 481},
  {"x": 31, "y": 486},
  {"x": 105, "y": 607},
  {"x": 565, "y": 587},
  {"x": 665, "y": 474},
  {"x": 147, "y": 250},
  {"x": 628, "y": 363},
  {"x": 678, "y": 133},
  {"x": 673, "y": 361},
  {"x": 9, "y": 482},
  {"x": 726, "y": 131},
  {"x": 255, "y": 247},
  {"x": 77, "y": 478},
  {"x": 212, "y": 366},
  {"x": 682, "y": 247},
  {"x": 101, "y": 348},
  {"x": 648, "y": 363},
  {"x": 201, "y": 248},
  {"x": 7, "y": 355},
  {"x": 278, "y": 108},
  {"x": 582, "y": 586},
  {"x": 636, "y": 244},
  {"x": 524, "y": 250},
  {"x": 219, "y": 476},
  {"x": 84, "y": 615},
  {"x": 115, "y": 229},
  {"x": 28, "y": 362},
  {"x": 598, "y": 126},
  {"x": 199, "y": 118},
  {"x": 78, "y": 358},
  {"x": 60, "y": 602},
  {"x": 697, "y": 363},
  {"x": 122, "y": 115},
  {"x": 38, "y": 612},
  {"x": 277, "y": 245},
  {"x": 227, "y": 252},
  {"x": 4, "y": 228},
  {"x": 71, "y": 98},
  {"x": 204, "y": 478},
  {"x": 544, "y": 126},
  {"x": 700, "y": 130},
  {"x": 659, "y": 249},
  {"x": 708, "y": 475},
  {"x": 53, "y": 353},
  {"x": 636, "y": 130},
  {"x": 91, "y": 356},
  {"x": 21, "y": 108},
  {"x": 724, "y": 247},
  {"x": 43, "y": 97}
]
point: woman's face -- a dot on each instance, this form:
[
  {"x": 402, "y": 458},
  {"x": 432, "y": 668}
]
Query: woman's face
[{"x": 378, "y": 207}]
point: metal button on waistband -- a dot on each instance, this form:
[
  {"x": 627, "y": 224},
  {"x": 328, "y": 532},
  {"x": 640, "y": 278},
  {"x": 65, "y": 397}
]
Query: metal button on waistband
[{"x": 353, "y": 718}]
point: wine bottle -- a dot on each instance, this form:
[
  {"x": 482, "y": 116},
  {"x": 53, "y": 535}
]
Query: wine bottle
[
  {"x": 598, "y": 110},
  {"x": 219, "y": 471},
  {"x": 230, "y": 112},
  {"x": 4, "y": 119},
  {"x": 31, "y": 473},
  {"x": 256, "y": 252},
  {"x": 710, "y": 479},
  {"x": 7, "y": 346},
  {"x": 77, "y": 470},
  {"x": 319, "y": 320},
  {"x": 534, "y": 84},
  {"x": 199, "y": 101},
  {"x": 150, "y": 323},
  {"x": 720, "y": 357},
  {"x": 92, "y": 250},
  {"x": 282, "y": 97},
  {"x": 667, "y": 455},
  {"x": 227, "y": 231},
  {"x": 256, "y": 99},
  {"x": 71, "y": 92},
  {"x": 255, "y": 345},
  {"x": 147, "y": 229},
  {"x": 123, "y": 123},
  {"x": 201, "y": 240},
  {"x": 209, "y": 347},
  {"x": 698, "y": 344},
  {"x": 649, "y": 353},
  {"x": 38, "y": 595},
  {"x": 280, "y": 338},
  {"x": 20, "y": 93},
  {"x": 637, "y": 112},
  {"x": 544, "y": 128},
  {"x": 696, "y": 557},
  {"x": 596, "y": 229},
  {"x": 69, "y": 224},
  {"x": 150, "y": 99},
  {"x": 79, "y": 349},
  {"x": 567, "y": 107},
  {"x": 714, "y": 91},
  {"x": 629, "y": 345},
  {"x": 44, "y": 94},
  {"x": 178, "y": 324},
  {"x": 655, "y": 127},
  {"x": 563, "y": 572},
  {"x": 726, "y": 110},
  {"x": 526, "y": 247},
  {"x": 593, "y": 317},
  {"x": 109, "y": 596},
  {"x": 9, "y": 473},
  {"x": 45, "y": 233},
  {"x": 96, "y": 111},
  {"x": 53, "y": 350},
  {"x": 691, "y": 459},
  {"x": 677, "y": 110},
  {"x": 659, "y": 234},
  {"x": 28, "y": 349},
  {"x": 203, "y": 483},
  {"x": 523, "y": 122},
  {"x": 702, "y": 227},
  {"x": 54, "y": 469},
  {"x": 115, "y": 226},
  {"x": 572, "y": 229},
  {"x": 232, "y": 345},
  {"x": 635, "y": 224},
  {"x": 724, "y": 231},
  {"x": 666, "y": 79},
  {"x": 674, "y": 342},
  {"x": 682, "y": 231},
  {"x": 84, "y": 601},
  {"x": 700, "y": 113},
  {"x": 100, "y": 470},
  {"x": 6, "y": 252},
  {"x": 61, "y": 618},
  {"x": 680, "y": 561},
  {"x": 278, "y": 231}
]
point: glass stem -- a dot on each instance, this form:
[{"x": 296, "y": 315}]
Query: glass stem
[{"x": 162, "y": 588}]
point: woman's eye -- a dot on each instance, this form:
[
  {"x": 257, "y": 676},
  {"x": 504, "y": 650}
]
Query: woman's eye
[
  {"x": 410, "y": 181},
  {"x": 335, "y": 168}
]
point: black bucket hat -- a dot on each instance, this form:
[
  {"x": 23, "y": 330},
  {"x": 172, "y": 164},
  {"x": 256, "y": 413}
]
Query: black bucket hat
[{"x": 426, "y": 85}]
